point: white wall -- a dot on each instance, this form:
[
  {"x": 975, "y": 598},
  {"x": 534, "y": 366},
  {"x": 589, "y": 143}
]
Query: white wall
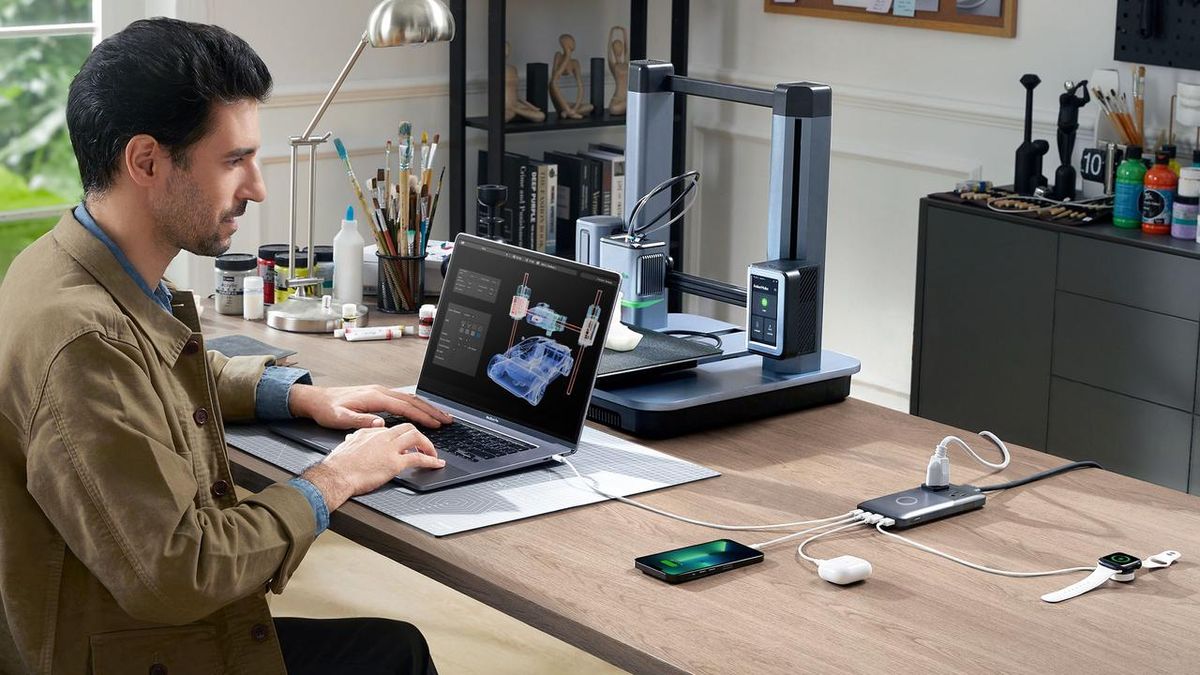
[
  {"x": 306, "y": 42},
  {"x": 914, "y": 111}
]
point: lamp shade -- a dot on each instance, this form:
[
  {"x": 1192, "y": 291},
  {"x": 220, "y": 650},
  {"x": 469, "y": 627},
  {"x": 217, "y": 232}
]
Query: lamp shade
[{"x": 409, "y": 22}]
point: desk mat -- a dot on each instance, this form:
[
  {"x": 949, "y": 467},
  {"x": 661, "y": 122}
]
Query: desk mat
[{"x": 620, "y": 467}]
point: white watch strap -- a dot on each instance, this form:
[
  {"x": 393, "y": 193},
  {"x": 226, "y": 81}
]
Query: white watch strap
[
  {"x": 1163, "y": 559},
  {"x": 1097, "y": 578}
]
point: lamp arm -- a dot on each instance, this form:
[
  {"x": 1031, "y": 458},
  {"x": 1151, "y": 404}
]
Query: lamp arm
[{"x": 337, "y": 84}]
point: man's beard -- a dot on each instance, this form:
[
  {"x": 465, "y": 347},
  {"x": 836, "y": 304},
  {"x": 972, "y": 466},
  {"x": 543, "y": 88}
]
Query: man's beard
[{"x": 183, "y": 217}]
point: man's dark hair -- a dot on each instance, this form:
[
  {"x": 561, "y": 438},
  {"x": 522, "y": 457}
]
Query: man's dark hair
[{"x": 159, "y": 77}]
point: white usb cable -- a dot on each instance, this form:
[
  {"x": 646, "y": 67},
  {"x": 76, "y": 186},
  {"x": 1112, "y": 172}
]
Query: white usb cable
[
  {"x": 717, "y": 526},
  {"x": 817, "y": 561},
  {"x": 928, "y": 549},
  {"x": 844, "y": 523},
  {"x": 938, "y": 473}
]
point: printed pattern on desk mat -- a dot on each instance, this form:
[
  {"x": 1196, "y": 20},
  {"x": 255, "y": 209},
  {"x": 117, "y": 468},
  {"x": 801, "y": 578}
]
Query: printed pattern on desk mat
[{"x": 619, "y": 466}]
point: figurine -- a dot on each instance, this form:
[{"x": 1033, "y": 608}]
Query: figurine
[
  {"x": 1069, "y": 103},
  {"x": 514, "y": 106},
  {"x": 618, "y": 64},
  {"x": 564, "y": 64}
]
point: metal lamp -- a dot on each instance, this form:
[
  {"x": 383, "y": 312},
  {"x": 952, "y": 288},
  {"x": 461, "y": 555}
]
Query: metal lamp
[{"x": 393, "y": 23}]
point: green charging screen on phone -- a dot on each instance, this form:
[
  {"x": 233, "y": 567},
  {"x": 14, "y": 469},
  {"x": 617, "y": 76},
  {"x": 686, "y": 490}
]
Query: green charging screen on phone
[{"x": 701, "y": 556}]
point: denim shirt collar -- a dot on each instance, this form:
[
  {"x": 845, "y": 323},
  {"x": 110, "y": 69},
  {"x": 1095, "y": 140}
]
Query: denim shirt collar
[{"x": 160, "y": 295}]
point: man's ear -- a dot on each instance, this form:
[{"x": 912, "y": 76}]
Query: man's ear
[{"x": 144, "y": 160}]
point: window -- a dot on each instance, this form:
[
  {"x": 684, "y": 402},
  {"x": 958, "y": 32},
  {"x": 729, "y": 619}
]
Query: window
[{"x": 42, "y": 45}]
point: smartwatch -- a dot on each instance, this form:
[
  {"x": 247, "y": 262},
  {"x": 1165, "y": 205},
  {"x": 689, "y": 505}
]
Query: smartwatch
[{"x": 1117, "y": 566}]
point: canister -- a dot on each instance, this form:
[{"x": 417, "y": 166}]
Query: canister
[
  {"x": 284, "y": 271},
  {"x": 230, "y": 270},
  {"x": 266, "y": 268}
]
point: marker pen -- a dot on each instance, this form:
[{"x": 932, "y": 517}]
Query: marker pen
[{"x": 357, "y": 334}]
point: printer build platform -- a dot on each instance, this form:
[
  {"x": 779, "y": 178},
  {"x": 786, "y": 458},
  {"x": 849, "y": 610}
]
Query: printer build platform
[{"x": 727, "y": 389}]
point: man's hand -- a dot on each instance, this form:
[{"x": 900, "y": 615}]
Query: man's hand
[
  {"x": 369, "y": 458},
  {"x": 351, "y": 407}
]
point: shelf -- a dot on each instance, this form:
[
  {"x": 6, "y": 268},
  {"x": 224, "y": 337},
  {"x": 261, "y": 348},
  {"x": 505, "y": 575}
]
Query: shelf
[{"x": 552, "y": 123}]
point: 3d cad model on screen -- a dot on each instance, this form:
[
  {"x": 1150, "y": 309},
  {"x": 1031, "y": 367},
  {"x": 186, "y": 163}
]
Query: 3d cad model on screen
[{"x": 528, "y": 367}]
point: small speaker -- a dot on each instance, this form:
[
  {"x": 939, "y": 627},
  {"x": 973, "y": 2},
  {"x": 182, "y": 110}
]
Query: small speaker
[
  {"x": 597, "y": 86},
  {"x": 537, "y": 83}
]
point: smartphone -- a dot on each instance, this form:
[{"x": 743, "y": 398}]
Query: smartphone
[{"x": 692, "y": 562}]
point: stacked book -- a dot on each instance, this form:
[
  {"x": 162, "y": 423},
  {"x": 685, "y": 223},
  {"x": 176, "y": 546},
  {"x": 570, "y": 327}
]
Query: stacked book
[{"x": 547, "y": 196}]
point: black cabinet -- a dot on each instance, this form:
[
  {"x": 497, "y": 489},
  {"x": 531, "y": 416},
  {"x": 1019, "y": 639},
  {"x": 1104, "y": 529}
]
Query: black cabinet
[
  {"x": 1081, "y": 342},
  {"x": 991, "y": 356}
]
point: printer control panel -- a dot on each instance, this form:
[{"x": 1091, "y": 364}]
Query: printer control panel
[{"x": 764, "y": 311}]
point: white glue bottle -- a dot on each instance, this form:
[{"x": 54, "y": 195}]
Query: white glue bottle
[{"x": 348, "y": 261}]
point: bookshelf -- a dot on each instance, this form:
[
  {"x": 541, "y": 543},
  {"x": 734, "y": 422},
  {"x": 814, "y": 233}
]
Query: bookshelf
[{"x": 461, "y": 186}]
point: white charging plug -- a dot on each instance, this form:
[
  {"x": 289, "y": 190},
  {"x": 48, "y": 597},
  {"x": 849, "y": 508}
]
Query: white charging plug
[
  {"x": 937, "y": 475},
  {"x": 844, "y": 569}
]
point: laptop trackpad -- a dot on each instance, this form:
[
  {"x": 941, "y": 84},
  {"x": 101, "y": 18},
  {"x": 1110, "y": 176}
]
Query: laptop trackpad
[{"x": 424, "y": 476}]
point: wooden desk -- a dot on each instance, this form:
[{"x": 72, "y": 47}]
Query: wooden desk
[{"x": 571, "y": 573}]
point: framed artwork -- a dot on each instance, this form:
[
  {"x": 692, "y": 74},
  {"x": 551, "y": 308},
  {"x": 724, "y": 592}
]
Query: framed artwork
[{"x": 997, "y": 18}]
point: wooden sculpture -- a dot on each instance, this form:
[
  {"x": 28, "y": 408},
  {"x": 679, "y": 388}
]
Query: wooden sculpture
[
  {"x": 565, "y": 64},
  {"x": 513, "y": 106},
  {"x": 618, "y": 64}
]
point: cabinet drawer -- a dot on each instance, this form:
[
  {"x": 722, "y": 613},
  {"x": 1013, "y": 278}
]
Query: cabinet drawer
[
  {"x": 1194, "y": 476},
  {"x": 1126, "y": 435},
  {"x": 984, "y": 313},
  {"x": 1160, "y": 282},
  {"x": 1131, "y": 351}
]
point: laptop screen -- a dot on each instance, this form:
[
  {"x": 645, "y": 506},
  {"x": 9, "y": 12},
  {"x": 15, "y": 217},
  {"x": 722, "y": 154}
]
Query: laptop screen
[{"x": 519, "y": 334}]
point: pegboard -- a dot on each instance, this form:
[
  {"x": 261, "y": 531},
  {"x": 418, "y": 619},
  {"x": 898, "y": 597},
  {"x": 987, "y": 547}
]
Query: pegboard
[{"x": 1174, "y": 28}]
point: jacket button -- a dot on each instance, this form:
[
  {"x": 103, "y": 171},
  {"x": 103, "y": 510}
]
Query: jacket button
[
  {"x": 258, "y": 632},
  {"x": 200, "y": 416},
  {"x": 220, "y": 488},
  {"x": 158, "y": 669},
  {"x": 191, "y": 347}
]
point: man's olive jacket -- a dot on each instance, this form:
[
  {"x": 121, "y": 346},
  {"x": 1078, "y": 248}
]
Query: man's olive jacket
[{"x": 123, "y": 547}]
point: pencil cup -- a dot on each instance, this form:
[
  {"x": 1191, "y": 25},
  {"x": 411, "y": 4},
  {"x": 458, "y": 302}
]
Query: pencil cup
[{"x": 401, "y": 283}]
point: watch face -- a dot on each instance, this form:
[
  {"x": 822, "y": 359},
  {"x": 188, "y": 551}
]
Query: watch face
[{"x": 1121, "y": 561}]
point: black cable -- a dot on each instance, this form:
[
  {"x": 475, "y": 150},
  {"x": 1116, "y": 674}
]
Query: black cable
[
  {"x": 696, "y": 333},
  {"x": 1042, "y": 474}
]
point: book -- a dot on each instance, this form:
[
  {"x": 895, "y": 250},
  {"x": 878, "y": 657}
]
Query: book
[
  {"x": 510, "y": 178},
  {"x": 535, "y": 217},
  {"x": 244, "y": 345},
  {"x": 548, "y": 207},
  {"x": 572, "y": 192},
  {"x": 516, "y": 195},
  {"x": 617, "y": 166},
  {"x": 606, "y": 176},
  {"x": 595, "y": 174}
]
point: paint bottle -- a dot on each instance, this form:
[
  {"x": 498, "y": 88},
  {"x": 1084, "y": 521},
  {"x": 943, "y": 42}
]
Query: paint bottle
[
  {"x": 1131, "y": 174},
  {"x": 1187, "y": 203},
  {"x": 1172, "y": 163},
  {"x": 1158, "y": 196},
  {"x": 347, "y": 260},
  {"x": 425, "y": 318}
]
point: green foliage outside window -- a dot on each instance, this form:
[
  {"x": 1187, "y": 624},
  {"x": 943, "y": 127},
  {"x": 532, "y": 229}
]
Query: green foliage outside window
[{"x": 37, "y": 165}]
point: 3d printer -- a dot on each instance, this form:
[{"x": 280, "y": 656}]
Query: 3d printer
[{"x": 772, "y": 364}]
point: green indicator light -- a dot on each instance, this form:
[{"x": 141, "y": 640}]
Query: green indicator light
[{"x": 763, "y": 301}]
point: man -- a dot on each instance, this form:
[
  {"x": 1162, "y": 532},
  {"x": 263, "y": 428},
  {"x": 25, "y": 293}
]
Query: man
[{"x": 122, "y": 545}]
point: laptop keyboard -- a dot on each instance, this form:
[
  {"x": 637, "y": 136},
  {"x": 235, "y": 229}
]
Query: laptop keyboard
[{"x": 463, "y": 439}]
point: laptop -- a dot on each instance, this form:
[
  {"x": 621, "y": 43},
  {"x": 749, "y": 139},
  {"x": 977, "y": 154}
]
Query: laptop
[{"x": 513, "y": 358}]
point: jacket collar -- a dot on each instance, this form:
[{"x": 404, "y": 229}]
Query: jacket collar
[{"x": 166, "y": 332}]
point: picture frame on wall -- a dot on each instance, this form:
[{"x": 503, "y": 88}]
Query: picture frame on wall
[{"x": 996, "y": 18}]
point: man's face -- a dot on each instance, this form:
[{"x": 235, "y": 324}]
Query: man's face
[{"x": 202, "y": 197}]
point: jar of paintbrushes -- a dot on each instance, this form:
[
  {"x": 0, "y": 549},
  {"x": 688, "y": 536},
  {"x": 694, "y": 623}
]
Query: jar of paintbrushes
[{"x": 401, "y": 282}]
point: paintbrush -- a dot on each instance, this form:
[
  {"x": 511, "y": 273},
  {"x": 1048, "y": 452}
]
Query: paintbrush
[
  {"x": 402, "y": 181},
  {"x": 387, "y": 178},
  {"x": 1139, "y": 100}
]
